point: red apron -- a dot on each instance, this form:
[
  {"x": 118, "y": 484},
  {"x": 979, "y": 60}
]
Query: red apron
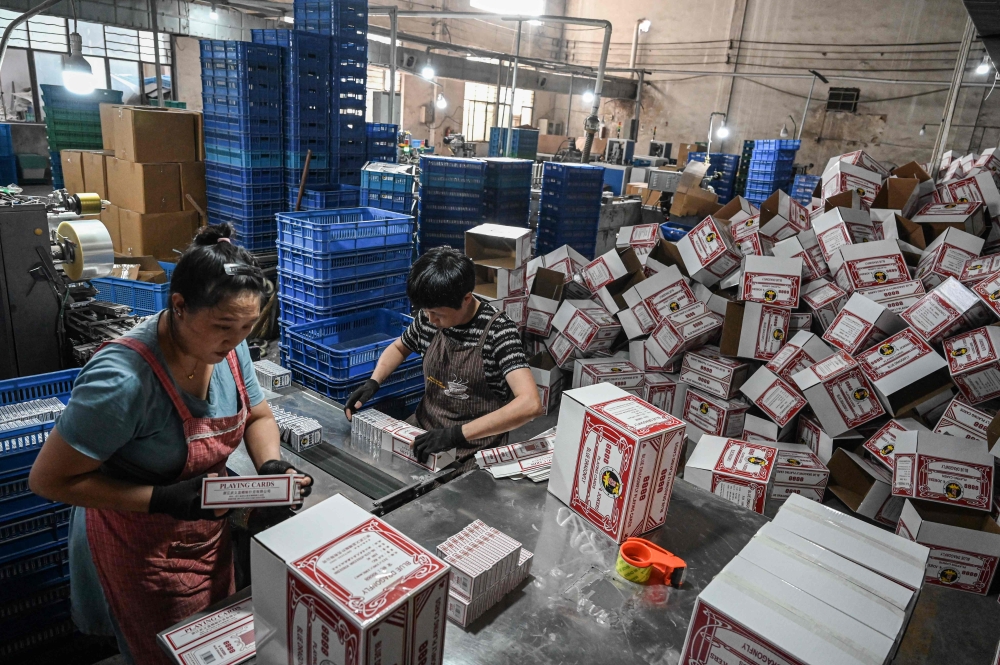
[{"x": 157, "y": 570}]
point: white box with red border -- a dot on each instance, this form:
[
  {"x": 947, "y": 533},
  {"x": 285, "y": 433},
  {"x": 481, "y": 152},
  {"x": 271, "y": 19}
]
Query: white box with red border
[
  {"x": 647, "y": 302},
  {"x": 882, "y": 444},
  {"x": 989, "y": 160},
  {"x": 563, "y": 351},
  {"x": 898, "y": 297},
  {"x": 708, "y": 252},
  {"x": 516, "y": 309},
  {"x": 707, "y": 414},
  {"x": 587, "y": 325},
  {"x": 755, "y": 243},
  {"x": 864, "y": 487},
  {"x": 642, "y": 238},
  {"x": 965, "y": 421},
  {"x": 805, "y": 247},
  {"x": 548, "y": 380},
  {"x": 802, "y": 351},
  {"x": 988, "y": 290},
  {"x": 839, "y": 394},
  {"x": 947, "y": 310},
  {"x": 966, "y": 217},
  {"x": 614, "y": 460},
  {"x": 741, "y": 472},
  {"x": 659, "y": 390},
  {"x": 779, "y": 400},
  {"x": 869, "y": 264},
  {"x": 846, "y": 177},
  {"x": 336, "y": 584},
  {"x": 947, "y": 256},
  {"x": 905, "y": 371},
  {"x": 980, "y": 187},
  {"x": 759, "y": 430},
  {"x": 222, "y": 636},
  {"x": 612, "y": 371},
  {"x": 781, "y": 216},
  {"x": 737, "y": 210},
  {"x": 964, "y": 544},
  {"x": 798, "y": 471},
  {"x": 569, "y": 262},
  {"x": 713, "y": 373},
  {"x": 544, "y": 298},
  {"x": 861, "y": 323},
  {"x": 865, "y": 161},
  {"x": 611, "y": 274},
  {"x": 979, "y": 268},
  {"x": 824, "y": 299},
  {"x": 398, "y": 438},
  {"x": 250, "y": 491},
  {"x": 943, "y": 469},
  {"x": 681, "y": 331},
  {"x": 771, "y": 281},
  {"x": 843, "y": 226},
  {"x": 754, "y": 331}
]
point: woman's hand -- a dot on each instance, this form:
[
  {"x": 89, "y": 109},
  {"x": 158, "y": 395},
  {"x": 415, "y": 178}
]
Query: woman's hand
[
  {"x": 276, "y": 466},
  {"x": 182, "y": 500}
]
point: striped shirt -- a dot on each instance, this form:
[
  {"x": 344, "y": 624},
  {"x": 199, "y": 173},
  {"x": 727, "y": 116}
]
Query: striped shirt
[{"x": 503, "y": 351}]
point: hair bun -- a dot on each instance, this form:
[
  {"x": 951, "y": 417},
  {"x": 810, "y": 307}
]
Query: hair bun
[{"x": 210, "y": 235}]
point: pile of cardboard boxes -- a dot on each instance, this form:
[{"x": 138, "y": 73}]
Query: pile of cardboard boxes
[{"x": 151, "y": 171}]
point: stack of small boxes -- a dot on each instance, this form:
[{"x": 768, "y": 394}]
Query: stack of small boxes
[
  {"x": 373, "y": 431},
  {"x": 297, "y": 431},
  {"x": 13, "y": 416},
  {"x": 271, "y": 375},
  {"x": 486, "y": 565}
]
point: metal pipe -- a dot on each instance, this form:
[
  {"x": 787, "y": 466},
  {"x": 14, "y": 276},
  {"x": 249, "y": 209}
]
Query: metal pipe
[
  {"x": 805, "y": 110},
  {"x": 513, "y": 91},
  {"x": 156, "y": 54},
  {"x": 393, "y": 23},
  {"x": 635, "y": 45},
  {"x": 948, "y": 113},
  {"x": 634, "y": 134},
  {"x": 9, "y": 30},
  {"x": 592, "y": 123},
  {"x": 833, "y": 77},
  {"x": 708, "y": 150},
  {"x": 569, "y": 105},
  {"x": 496, "y": 104}
]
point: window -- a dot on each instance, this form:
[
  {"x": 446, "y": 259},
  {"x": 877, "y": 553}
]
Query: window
[
  {"x": 843, "y": 99},
  {"x": 479, "y": 109},
  {"x": 377, "y": 108},
  {"x": 522, "y": 7}
]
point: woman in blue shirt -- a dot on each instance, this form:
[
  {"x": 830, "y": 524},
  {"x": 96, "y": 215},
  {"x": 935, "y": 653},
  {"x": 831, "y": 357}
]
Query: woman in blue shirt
[{"x": 150, "y": 416}]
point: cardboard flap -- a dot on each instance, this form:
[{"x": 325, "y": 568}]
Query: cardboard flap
[
  {"x": 911, "y": 170},
  {"x": 542, "y": 360},
  {"x": 729, "y": 345},
  {"x": 843, "y": 200},
  {"x": 911, "y": 232},
  {"x": 667, "y": 254},
  {"x": 148, "y": 269},
  {"x": 896, "y": 193},
  {"x": 849, "y": 482},
  {"x": 548, "y": 284}
]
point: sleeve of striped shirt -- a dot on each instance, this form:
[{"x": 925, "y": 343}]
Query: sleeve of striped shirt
[
  {"x": 506, "y": 347},
  {"x": 411, "y": 336}
]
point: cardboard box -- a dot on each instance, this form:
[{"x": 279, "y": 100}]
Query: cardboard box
[
  {"x": 799, "y": 322},
  {"x": 946, "y": 256},
  {"x": 738, "y": 471},
  {"x": 689, "y": 327},
  {"x": 548, "y": 379},
  {"x": 313, "y": 571},
  {"x": 694, "y": 203},
  {"x": 843, "y": 226},
  {"x": 805, "y": 247},
  {"x": 756, "y": 243},
  {"x": 915, "y": 170},
  {"x": 569, "y": 262},
  {"x": 145, "y": 135},
  {"x": 515, "y": 307},
  {"x": 936, "y": 217},
  {"x": 867, "y": 545},
  {"x": 110, "y": 219},
  {"x": 770, "y": 280},
  {"x": 754, "y": 331},
  {"x": 775, "y": 397},
  {"x": 965, "y": 421},
  {"x": 905, "y": 371},
  {"x": 499, "y": 283},
  {"x": 964, "y": 544},
  {"x": 824, "y": 299},
  {"x": 943, "y": 469},
  {"x": 664, "y": 255},
  {"x": 864, "y": 160},
  {"x": 981, "y": 187},
  {"x": 563, "y": 351},
  {"x": 659, "y": 390},
  {"x": 845, "y": 177},
  {"x": 839, "y": 393},
  {"x": 708, "y": 371},
  {"x": 863, "y": 487},
  {"x": 612, "y": 371},
  {"x": 708, "y": 252},
  {"x": 649, "y": 301},
  {"x": 988, "y": 290},
  {"x": 108, "y": 113},
  {"x": 973, "y": 362},
  {"x": 898, "y": 194},
  {"x": 587, "y": 325},
  {"x": 222, "y": 635},
  {"x": 544, "y": 298},
  {"x": 707, "y": 414},
  {"x": 802, "y": 351},
  {"x": 869, "y": 264},
  {"x": 759, "y": 430},
  {"x": 611, "y": 274},
  {"x": 898, "y": 297},
  {"x": 95, "y": 174},
  {"x": 72, "y": 169},
  {"x": 880, "y": 448},
  {"x": 737, "y": 211},
  {"x": 642, "y": 239},
  {"x": 978, "y": 268},
  {"x": 948, "y": 309},
  {"x": 781, "y": 216},
  {"x": 157, "y": 234},
  {"x": 614, "y": 460},
  {"x": 798, "y": 471},
  {"x": 861, "y": 323},
  {"x": 811, "y": 434},
  {"x": 193, "y": 184},
  {"x": 498, "y": 246},
  {"x": 145, "y": 188}
]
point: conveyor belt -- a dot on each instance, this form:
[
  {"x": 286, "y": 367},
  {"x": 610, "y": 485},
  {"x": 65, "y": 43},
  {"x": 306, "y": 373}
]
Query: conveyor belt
[{"x": 351, "y": 471}]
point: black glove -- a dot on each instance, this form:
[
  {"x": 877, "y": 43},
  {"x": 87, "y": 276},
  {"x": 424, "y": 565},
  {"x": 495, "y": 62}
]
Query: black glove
[
  {"x": 438, "y": 441},
  {"x": 182, "y": 501},
  {"x": 274, "y": 467},
  {"x": 361, "y": 394}
]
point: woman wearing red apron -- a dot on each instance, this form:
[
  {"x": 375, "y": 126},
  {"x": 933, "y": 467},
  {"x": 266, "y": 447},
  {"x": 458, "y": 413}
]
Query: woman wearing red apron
[{"x": 152, "y": 414}]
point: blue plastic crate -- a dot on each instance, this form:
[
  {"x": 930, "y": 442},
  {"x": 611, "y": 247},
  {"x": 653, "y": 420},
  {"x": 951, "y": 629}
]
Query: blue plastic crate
[
  {"x": 33, "y": 530},
  {"x": 345, "y": 347},
  {"x": 347, "y": 229},
  {"x": 251, "y": 194},
  {"x": 145, "y": 298},
  {"x": 263, "y": 159},
  {"x": 234, "y": 106},
  {"x": 324, "y": 295},
  {"x": 308, "y": 123},
  {"x": 16, "y": 498},
  {"x": 387, "y": 182},
  {"x": 19, "y": 447},
  {"x": 448, "y": 210},
  {"x": 38, "y": 567},
  {"x": 777, "y": 144},
  {"x": 293, "y": 312},
  {"x": 6, "y": 142},
  {"x": 351, "y": 128},
  {"x": 452, "y": 172},
  {"x": 296, "y": 160},
  {"x": 57, "y": 95},
  {"x": 252, "y": 126},
  {"x": 765, "y": 169},
  {"x": 326, "y": 197},
  {"x": 243, "y": 141},
  {"x": 401, "y": 382},
  {"x": 761, "y": 156},
  {"x": 382, "y": 130},
  {"x": 343, "y": 266},
  {"x": 315, "y": 177},
  {"x": 240, "y": 208},
  {"x": 387, "y": 200},
  {"x": 261, "y": 240},
  {"x": 39, "y": 386},
  {"x": 351, "y": 163},
  {"x": 242, "y": 177}
]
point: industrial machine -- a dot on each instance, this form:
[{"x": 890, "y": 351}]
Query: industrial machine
[
  {"x": 49, "y": 250},
  {"x": 459, "y": 146},
  {"x": 619, "y": 151},
  {"x": 660, "y": 149}
]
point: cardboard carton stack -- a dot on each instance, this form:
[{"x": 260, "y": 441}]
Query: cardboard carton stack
[{"x": 153, "y": 173}]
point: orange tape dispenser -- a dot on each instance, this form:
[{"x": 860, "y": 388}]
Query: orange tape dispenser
[{"x": 642, "y": 562}]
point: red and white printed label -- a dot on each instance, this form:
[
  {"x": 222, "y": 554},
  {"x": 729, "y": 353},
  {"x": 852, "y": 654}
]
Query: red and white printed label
[
  {"x": 744, "y": 459},
  {"x": 771, "y": 332},
  {"x": 972, "y": 419},
  {"x": 580, "y": 330},
  {"x": 966, "y": 571},
  {"x": 988, "y": 291},
  {"x": 724, "y": 264},
  {"x": 224, "y": 637},
  {"x": 597, "y": 274},
  {"x": 603, "y": 474},
  {"x": 703, "y": 414},
  {"x": 706, "y": 382},
  {"x": 671, "y": 299},
  {"x": 781, "y": 402},
  {"x": 979, "y": 268},
  {"x": 539, "y": 322},
  {"x": 638, "y": 417},
  {"x": 561, "y": 349},
  {"x": 877, "y": 270},
  {"x": 893, "y": 354},
  {"x": 882, "y": 444},
  {"x": 749, "y": 494},
  {"x": 317, "y": 630},
  {"x": 707, "y": 243},
  {"x": 789, "y": 361},
  {"x": 979, "y": 385},
  {"x": 777, "y": 290},
  {"x": 667, "y": 338},
  {"x": 833, "y": 239},
  {"x": 969, "y": 350},
  {"x": 931, "y": 315},
  {"x": 950, "y": 260},
  {"x": 849, "y": 332},
  {"x": 800, "y": 469},
  {"x": 914, "y": 287},
  {"x": 715, "y": 639},
  {"x": 661, "y": 396},
  {"x": 832, "y": 366},
  {"x": 822, "y": 296},
  {"x": 245, "y": 492},
  {"x": 852, "y": 396},
  {"x": 943, "y": 480}
]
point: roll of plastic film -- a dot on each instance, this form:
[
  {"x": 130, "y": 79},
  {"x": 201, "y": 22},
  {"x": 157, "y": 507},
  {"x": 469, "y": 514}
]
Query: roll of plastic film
[
  {"x": 632, "y": 573},
  {"x": 94, "y": 255},
  {"x": 90, "y": 204}
]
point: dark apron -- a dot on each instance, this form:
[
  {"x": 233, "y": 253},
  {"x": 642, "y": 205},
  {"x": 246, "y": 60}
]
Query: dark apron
[{"x": 456, "y": 390}]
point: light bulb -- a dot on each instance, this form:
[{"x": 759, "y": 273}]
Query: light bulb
[
  {"x": 923, "y": 130},
  {"x": 441, "y": 102},
  {"x": 784, "y": 131},
  {"x": 645, "y": 25},
  {"x": 427, "y": 72},
  {"x": 722, "y": 132},
  {"x": 984, "y": 66},
  {"x": 535, "y": 23},
  {"x": 588, "y": 96},
  {"x": 288, "y": 19},
  {"x": 78, "y": 76},
  {"x": 77, "y": 82},
  {"x": 214, "y": 15}
]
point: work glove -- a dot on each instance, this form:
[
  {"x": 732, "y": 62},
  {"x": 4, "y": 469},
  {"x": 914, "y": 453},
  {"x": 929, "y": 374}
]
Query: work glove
[
  {"x": 438, "y": 441},
  {"x": 274, "y": 467},
  {"x": 361, "y": 395},
  {"x": 182, "y": 501}
]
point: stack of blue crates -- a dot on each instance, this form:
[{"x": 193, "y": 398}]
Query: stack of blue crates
[
  {"x": 524, "y": 145},
  {"x": 770, "y": 168},
  {"x": 507, "y": 198},
  {"x": 570, "y": 207},
  {"x": 388, "y": 187},
  {"x": 803, "y": 187},
  {"x": 244, "y": 155},
  {"x": 381, "y": 142},
  {"x": 34, "y": 556},
  {"x": 451, "y": 200},
  {"x": 726, "y": 165},
  {"x": 8, "y": 162}
]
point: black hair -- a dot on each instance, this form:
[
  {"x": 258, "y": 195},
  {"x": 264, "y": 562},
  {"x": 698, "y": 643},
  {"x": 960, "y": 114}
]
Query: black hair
[
  {"x": 440, "y": 278},
  {"x": 212, "y": 269}
]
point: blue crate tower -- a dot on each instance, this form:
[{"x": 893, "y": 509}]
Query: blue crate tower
[
  {"x": 451, "y": 200},
  {"x": 570, "y": 207},
  {"x": 524, "y": 145},
  {"x": 726, "y": 165},
  {"x": 507, "y": 197},
  {"x": 381, "y": 142},
  {"x": 802, "y": 188},
  {"x": 388, "y": 186},
  {"x": 244, "y": 147},
  {"x": 770, "y": 168}
]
